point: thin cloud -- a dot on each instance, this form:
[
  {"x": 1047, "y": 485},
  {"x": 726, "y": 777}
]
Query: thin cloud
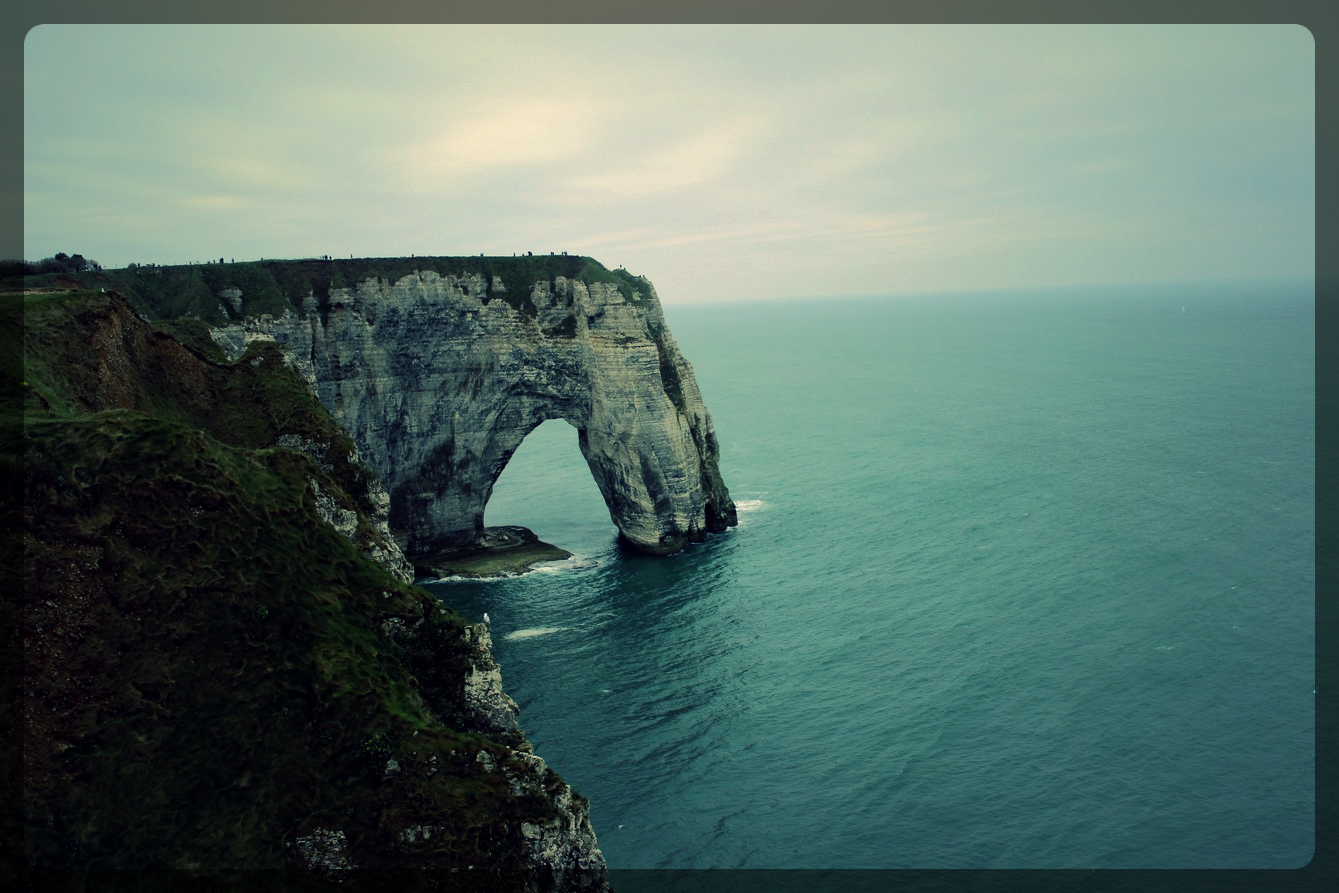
[
  {"x": 830, "y": 232},
  {"x": 897, "y": 154},
  {"x": 215, "y": 203},
  {"x": 698, "y": 160},
  {"x": 252, "y": 172},
  {"x": 513, "y": 132},
  {"x": 1102, "y": 165}
]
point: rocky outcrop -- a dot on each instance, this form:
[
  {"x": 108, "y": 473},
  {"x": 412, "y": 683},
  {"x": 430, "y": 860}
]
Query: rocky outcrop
[
  {"x": 491, "y": 709},
  {"x": 376, "y": 543},
  {"x": 559, "y": 849},
  {"x": 438, "y": 379},
  {"x": 562, "y": 849},
  {"x": 324, "y": 850}
]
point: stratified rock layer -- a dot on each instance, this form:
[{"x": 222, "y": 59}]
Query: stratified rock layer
[{"x": 438, "y": 379}]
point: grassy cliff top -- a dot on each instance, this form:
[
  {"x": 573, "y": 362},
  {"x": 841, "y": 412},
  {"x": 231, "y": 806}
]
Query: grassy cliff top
[{"x": 272, "y": 286}]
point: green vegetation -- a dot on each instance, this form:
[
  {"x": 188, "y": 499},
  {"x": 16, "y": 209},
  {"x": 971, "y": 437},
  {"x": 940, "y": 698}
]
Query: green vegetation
[
  {"x": 565, "y": 329},
  {"x": 273, "y": 286},
  {"x": 11, "y": 581},
  {"x": 58, "y": 263},
  {"x": 194, "y": 334},
  {"x": 211, "y": 670},
  {"x": 669, "y": 373}
]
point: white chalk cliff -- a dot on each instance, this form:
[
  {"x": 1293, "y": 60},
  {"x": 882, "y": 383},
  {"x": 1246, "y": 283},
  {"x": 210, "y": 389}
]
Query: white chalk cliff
[{"x": 438, "y": 379}]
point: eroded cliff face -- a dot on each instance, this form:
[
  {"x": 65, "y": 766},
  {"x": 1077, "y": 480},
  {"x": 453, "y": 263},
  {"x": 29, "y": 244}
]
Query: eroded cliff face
[
  {"x": 556, "y": 849},
  {"x": 562, "y": 848},
  {"x": 438, "y": 379}
]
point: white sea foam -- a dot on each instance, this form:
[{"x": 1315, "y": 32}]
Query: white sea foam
[
  {"x": 534, "y": 632},
  {"x": 556, "y": 566},
  {"x": 746, "y": 507},
  {"x": 575, "y": 563}
]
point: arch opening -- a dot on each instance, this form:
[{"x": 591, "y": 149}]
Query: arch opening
[{"x": 547, "y": 487}]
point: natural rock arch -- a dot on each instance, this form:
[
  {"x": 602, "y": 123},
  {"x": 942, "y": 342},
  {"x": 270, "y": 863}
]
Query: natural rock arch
[
  {"x": 439, "y": 379},
  {"x": 547, "y": 476}
]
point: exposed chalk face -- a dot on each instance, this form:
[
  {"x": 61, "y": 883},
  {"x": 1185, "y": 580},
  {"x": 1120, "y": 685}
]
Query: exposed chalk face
[
  {"x": 438, "y": 382},
  {"x": 564, "y": 846}
]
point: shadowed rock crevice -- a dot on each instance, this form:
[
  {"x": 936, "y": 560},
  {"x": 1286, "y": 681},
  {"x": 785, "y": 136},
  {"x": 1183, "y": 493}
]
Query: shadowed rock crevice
[{"x": 438, "y": 382}]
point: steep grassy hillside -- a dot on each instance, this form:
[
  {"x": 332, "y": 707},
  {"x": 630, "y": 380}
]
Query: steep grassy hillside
[
  {"x": 214, "y": 676},
  {"x": 11, "y": 586}
]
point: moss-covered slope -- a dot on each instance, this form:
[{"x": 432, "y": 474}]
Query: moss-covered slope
[{"x": 214, "y": 676}]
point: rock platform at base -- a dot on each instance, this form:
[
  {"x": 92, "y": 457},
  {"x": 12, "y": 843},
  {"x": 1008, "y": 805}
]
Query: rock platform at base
[{"x": 500, "y": 552}]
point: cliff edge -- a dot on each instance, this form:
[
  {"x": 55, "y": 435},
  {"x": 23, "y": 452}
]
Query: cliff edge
[
  {"x": 226, "y": 665},
  {"x": 439, "y": 367}
]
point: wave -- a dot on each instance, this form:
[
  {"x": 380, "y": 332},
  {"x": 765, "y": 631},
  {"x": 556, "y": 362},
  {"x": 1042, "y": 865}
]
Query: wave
[
  {"x": 575, "y": 563},
  {"x": 534, "y": 632},
  {"x": 556, "y": 566},
  {"x": 746, "y": 507}
]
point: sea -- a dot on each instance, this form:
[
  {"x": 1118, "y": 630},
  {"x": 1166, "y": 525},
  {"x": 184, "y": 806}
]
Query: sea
[{"x": 1022, "y": 579}]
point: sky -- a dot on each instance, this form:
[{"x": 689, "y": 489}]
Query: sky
[{"x": 725, "y": 163}]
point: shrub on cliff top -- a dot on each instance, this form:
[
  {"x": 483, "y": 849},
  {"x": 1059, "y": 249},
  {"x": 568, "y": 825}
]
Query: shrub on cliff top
[{"x": 274, "y": 286}]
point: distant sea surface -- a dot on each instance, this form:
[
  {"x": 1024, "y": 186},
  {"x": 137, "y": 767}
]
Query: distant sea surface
[{"x": 1021, "y": 580}]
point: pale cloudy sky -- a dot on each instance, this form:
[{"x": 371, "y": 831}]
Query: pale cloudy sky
[{"x": 723, "y": 162}]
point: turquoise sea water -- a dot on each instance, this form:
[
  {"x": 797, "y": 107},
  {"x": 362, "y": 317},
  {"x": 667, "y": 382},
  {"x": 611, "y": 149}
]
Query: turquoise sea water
[{"x": 1022, "y": 580}]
